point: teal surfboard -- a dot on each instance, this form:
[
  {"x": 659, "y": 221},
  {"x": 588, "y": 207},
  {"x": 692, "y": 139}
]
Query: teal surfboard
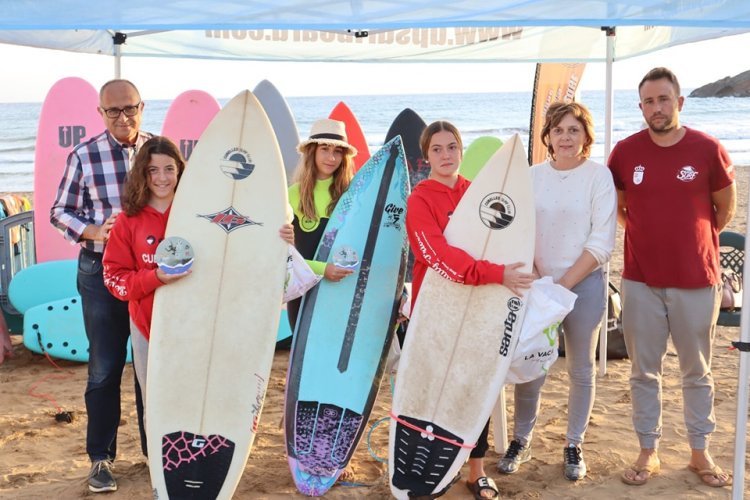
[
  {"x": 477, "y": 155},
  {"x": 344, "y": 329},
  {"x": 284, "y": 331},
  {"x": 42, "y": 283},
  {"x": 56, "y": 328}
]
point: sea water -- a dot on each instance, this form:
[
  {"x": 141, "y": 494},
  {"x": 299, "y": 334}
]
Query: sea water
[{"x": 495, "y": 114}]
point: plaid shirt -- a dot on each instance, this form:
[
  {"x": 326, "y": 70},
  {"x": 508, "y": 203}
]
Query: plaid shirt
[{"x": 92, "y": 185}]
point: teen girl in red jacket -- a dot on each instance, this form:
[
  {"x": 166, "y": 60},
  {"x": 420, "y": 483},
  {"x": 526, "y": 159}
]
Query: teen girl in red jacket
[{"x": 429, "y": 208}]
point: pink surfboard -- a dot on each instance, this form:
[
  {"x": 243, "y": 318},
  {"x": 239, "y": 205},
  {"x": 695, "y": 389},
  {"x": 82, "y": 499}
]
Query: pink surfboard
[
  {"x": 353, "y": 132},
  {"x": 68, "y": 117},
  {"x": 187, "y": 118}
]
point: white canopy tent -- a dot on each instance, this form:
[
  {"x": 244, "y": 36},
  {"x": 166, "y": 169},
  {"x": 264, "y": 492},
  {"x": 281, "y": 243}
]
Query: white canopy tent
[
  {"x": 389, "y": 31},
  {"x": 369, "y": 30}
]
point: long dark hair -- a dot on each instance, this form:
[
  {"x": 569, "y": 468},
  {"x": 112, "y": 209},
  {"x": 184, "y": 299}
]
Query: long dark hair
[{"x": 136, "y": 193}]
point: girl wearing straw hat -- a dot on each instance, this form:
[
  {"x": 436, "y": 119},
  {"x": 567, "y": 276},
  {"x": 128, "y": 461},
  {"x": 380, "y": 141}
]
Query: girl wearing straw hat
[{"x": 324, "y": 172}]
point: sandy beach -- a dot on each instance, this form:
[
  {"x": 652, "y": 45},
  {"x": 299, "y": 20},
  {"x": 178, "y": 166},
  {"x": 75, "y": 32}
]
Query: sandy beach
[{"x": 42, "y": 458}]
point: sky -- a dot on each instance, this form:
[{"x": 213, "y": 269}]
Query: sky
[{"x": 36, "y": 70}]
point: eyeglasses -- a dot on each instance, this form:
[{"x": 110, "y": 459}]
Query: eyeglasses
[{"x": 128, "y": 110}]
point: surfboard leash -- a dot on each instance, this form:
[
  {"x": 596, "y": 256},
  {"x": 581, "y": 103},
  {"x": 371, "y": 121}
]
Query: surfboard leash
[
  {"x": 431, "y": 434},
  {"x": 369, "y": 436},
  {"x": 60, "y": 415},
  {"x": 354, "y": 484}
]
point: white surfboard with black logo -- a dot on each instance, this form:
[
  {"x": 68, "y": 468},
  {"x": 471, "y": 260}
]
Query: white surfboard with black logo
[
  {"x": 461, "y": 338},
  {"x": 213, "y": 332}
]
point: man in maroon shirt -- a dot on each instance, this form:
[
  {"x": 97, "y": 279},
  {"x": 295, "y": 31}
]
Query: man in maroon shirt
[{"x": 676, "y": 192}]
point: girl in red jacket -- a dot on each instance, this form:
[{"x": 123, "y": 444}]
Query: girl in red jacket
[
  {"x": 130, "y": 272},
  {"x": 429, "y": 208}
]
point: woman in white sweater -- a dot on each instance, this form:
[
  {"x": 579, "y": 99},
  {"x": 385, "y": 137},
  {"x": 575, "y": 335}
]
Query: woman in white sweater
[{"x": 576, "y": 220}]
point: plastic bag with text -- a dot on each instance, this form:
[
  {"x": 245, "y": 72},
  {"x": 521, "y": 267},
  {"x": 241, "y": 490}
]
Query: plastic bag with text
[
  {"x": 547, "y": 304},
  {"x": 299, "y": 277}
]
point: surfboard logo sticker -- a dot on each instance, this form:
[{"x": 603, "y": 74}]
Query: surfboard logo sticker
[
  {"x": 497, "y": 210},
  {"x": 230, "y": 219},
  {"x": 237, "y": 164},
  {"x": 257, "y": 406},
  {"x": 514, "y": 305},
  {"x": 70, "y": 135},
  {"x": 393, "y": 215}
]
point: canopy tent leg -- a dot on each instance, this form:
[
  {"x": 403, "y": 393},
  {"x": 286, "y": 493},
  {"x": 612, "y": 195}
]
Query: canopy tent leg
[
  {"x": 608, "y": 107},
  {"x": 740, "y": 442}
]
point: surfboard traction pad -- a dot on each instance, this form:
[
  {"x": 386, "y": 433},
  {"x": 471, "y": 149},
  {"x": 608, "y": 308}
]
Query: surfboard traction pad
[
  {"x": 430, "y": 457},
  {"x": 324, "y": 438},
  {"x": 195, "y": 466}
]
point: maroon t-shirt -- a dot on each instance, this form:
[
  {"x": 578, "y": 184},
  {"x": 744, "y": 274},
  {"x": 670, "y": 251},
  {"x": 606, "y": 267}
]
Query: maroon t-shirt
[{"x": 671, "y": 239}]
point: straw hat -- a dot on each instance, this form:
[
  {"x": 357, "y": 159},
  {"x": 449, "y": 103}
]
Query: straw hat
[{"x": 327, "y": 131}]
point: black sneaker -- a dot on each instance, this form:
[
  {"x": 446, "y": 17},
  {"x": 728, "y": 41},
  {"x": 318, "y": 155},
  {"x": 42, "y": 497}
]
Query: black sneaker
[
  {"x": 516, "y": 455},
  {"x": 100, "y": 477},
  {"x": 575, "y": 467}
]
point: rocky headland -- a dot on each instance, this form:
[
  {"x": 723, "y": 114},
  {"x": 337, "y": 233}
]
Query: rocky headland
[{"x": 730, "y": 86}]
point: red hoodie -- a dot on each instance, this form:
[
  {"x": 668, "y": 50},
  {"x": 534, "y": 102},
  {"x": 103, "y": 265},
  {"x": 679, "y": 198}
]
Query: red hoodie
[
  {"x": 129, "y": 268},
  {"x": 428, "y": 211}
]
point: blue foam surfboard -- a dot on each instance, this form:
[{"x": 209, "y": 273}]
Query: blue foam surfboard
[
  {"x": 42, "y": 283},
  {"x": 56, "y": 328},
  {"x": 345, "y": 328},
  {"x": 284, "y": 331}
]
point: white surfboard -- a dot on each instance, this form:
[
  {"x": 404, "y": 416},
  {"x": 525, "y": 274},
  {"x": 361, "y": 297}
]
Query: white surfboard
[
  {"x": 461, "y": 338},
  {"x": 213, "y": 333}
]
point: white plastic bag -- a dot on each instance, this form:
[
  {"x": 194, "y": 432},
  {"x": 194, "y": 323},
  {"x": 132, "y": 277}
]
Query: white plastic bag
[
  {"x": 547, "y": 305},
  {"x": 299, "y": 277}
]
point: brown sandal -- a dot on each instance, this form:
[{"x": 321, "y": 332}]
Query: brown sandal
[
  {"x": 712, "y": 472},
  {"x": 650, "y": 469}
]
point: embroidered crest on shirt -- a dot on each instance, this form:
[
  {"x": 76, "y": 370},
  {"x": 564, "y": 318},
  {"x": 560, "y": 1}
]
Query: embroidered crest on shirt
[
  {"x": 638, "y": 173},
  {"x": 237, "y": 164},
  {"x": 687, "y": 174}
]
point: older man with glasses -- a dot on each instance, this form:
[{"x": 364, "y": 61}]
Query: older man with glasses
[{"x": 87, "y": 203}]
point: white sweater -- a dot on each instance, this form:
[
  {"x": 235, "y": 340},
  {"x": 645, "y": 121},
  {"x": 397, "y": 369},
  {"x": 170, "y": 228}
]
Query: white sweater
[{"x": 576, "y": 210}]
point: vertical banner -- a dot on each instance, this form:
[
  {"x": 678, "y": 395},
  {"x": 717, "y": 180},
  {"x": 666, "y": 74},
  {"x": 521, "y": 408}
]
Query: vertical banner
[{"x": 554, "y": 82}]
